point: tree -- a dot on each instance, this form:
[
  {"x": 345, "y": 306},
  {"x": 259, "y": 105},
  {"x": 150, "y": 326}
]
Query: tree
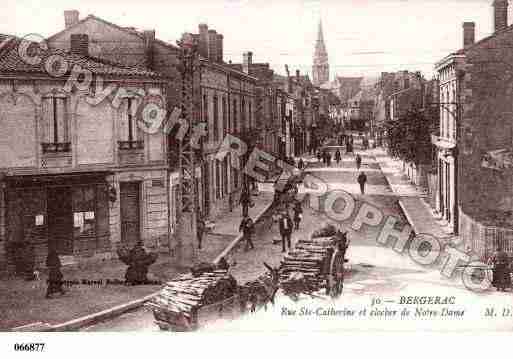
[{"x": 409, "y": 137}]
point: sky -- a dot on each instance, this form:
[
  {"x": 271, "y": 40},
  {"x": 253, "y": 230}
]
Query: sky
[{"x": 363, "y": 37}]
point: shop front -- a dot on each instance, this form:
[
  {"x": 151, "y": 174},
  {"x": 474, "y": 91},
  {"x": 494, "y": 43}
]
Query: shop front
[{"x": 67, "y": 213}]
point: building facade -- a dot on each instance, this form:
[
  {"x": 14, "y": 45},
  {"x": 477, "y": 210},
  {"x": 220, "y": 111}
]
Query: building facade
[{"x": 79, "y": 173}]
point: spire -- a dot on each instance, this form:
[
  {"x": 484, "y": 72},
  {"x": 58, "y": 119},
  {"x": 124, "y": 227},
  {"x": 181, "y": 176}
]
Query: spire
[
  {"x": 320, "y": 48},
  {"x": 320, "y": 69}
]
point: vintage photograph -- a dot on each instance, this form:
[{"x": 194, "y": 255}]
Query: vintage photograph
[{"x": 246, "y": 166}]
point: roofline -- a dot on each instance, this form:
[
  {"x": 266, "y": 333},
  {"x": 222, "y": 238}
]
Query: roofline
[
  {"x": 121, "y": 28},
  {"x": 30, "y": 76},
  {"x": 227, "y": 69}
]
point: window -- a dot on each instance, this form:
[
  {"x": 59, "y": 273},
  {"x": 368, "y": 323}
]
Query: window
[
  {"x": 205, "y": 113},
  {"x": 243, "y": 114},
  {"x": 224, "y": 115},
  {"x": 234, "y": 121},
  {"x": 129, "y": 132},
  {"x": 84, "y": 211},
  {"x": 250, "y": 115},
  {"x": 218, "y": 180},
  {"x": 55, "y": 119},
  {"x": 216, "y": 118},
  {"x": 225, "y": 175}
]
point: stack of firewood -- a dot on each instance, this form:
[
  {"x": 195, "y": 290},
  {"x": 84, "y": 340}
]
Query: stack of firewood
[
  {"x": 304, "y": 267},
  {"x": 185, "y": 294}
]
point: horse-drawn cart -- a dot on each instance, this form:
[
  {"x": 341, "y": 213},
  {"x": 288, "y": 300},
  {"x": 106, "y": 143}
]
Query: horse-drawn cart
[{"x": 315, "y": 264}]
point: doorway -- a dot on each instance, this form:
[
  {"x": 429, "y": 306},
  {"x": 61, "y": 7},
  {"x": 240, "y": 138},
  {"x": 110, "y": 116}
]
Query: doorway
[
  {"x": 60, "y": 220},
  {"x": 130, "y": 212}
]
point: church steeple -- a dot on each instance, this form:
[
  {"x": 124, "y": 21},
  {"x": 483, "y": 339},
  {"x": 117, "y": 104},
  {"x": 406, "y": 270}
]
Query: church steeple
[{"x": 320, "y": 68}]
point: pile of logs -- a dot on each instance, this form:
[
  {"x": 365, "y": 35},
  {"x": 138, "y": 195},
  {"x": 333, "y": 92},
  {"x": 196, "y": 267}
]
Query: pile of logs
[
  {"x": 304, "y": 268},
  {"x": 187, "y": 293}
]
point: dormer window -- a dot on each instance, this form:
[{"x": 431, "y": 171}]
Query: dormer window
[{"x": 56, "y": 126}]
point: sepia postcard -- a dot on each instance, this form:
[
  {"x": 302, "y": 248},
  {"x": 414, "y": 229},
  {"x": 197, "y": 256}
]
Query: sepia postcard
[{"x": 253, "y": 166}]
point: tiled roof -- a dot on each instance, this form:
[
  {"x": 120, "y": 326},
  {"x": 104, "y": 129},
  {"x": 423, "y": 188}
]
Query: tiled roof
[{"x": 11, "y": 62}]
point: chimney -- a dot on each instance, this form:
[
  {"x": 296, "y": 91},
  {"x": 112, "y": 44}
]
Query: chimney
[
  {"x": 149, "y": 39},
  {"x": 500, "y": 15},
  {"x": 212, "y": 45},
  {"x": 203, "y": 40},
  {"x": 247, "y": 61},
  {"x": 79, "y": 44},
  {"x": 70, "y": 17},
  {"x": 469, "y": 34},
  {"x": 220, "y": 48}
]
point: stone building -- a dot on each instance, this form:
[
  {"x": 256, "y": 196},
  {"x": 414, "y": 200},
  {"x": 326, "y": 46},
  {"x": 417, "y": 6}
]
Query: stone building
[
  {"x": 476, "y": 192},
  {"x": 225, "y": 99},
  {"x": 78, "y": 172},
  {"x": 321, "y": 66}
]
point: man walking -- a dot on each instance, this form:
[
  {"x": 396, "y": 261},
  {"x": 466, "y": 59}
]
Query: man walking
[
  {"x": 200, "y": 230},
  {"x": 285, "y": 230},
  {"x": 328, "y": 159},
  {"x": 245, "y": 200},
  {"x": 362, "y": 179},
  {"x": 338, "y": 156},
  {"x": 358, "y": 162},
  {"x": 298, "y": 213},
  {"x": 247, "y": 229}
]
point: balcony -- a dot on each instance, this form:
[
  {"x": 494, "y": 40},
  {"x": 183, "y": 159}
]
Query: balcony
[
  {"x": 131, "y": 152},
  {"x": 130, "y": 145},
  {"x": 61, "y": 147}
]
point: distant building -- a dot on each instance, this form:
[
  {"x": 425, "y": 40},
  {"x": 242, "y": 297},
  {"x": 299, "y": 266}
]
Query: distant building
[{"x": 321, "y": 67}]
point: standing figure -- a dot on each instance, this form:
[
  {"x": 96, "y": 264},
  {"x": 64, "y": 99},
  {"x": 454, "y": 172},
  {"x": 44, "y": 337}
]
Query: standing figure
[
  {"x": 285, "y": 230},
  {"x": 247, "y": 229},
  {"x": 358, "y": 160},
  {"x": 298, "y": 213},
  {"x": 245, "y": 199},
  {"x": 301, "y": 164},
  {"x": 319, "y": 156},
  {"x": 53, "y": 263},
  {"x": 200, "y": 230},
  {"x": 501, "y": 270},
  {"x": 362, "y": 179},
  {"x": 338, "y": 156},
  {"x": 328, "y": 159}
]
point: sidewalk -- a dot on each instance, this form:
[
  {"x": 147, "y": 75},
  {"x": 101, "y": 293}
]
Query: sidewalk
[
  {"x": 23, "y": 303},
  {"x": 411, "y": 199}
]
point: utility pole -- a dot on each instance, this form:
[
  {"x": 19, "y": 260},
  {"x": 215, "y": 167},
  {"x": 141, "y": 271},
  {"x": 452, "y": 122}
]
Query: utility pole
[{"x": 188, "y": 193}]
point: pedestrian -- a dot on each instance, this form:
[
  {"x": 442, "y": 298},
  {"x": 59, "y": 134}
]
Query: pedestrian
[
  {"x": 319, "y": 156},
  {"x": 285, "y": 229},
  {"x": 362, "y": 179},
  {"x": 328, "y": 159},
  {"x": 338, "y": 156},
  {"x": 247, "y": 229},
  {"x": 245, "y": 200},
  {"x": 358, "y": 160},
  {"x": 53, "y": 263},
  {"x": 501, "y": 270},
  {"x": 200, "y": 230},
  {"x": 298, "y": 214},
  {"x": 301, "y": 164}
]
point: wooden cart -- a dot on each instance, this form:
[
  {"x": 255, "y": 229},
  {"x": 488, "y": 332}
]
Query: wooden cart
[{"x": 178, "y": 322}]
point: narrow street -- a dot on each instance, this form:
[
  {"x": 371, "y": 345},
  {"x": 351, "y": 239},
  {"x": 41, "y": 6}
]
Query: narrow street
[{"x": 377, "y": 271}]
